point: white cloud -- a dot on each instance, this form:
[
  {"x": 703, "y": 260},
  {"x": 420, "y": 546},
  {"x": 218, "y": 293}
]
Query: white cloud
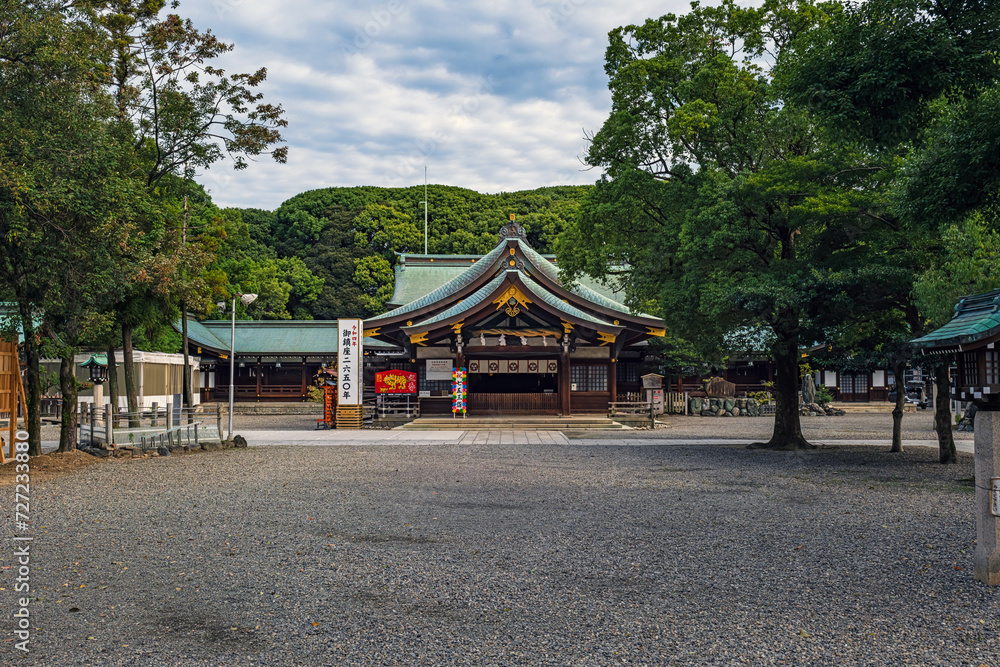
[{"x": 493, "y": 95}]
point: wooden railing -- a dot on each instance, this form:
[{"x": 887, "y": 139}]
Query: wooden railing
[{"x": 540, "y": 403}]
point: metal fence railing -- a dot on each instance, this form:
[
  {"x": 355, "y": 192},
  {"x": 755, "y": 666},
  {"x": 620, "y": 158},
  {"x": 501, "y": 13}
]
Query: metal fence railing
[{"x": 142, "y": 428}]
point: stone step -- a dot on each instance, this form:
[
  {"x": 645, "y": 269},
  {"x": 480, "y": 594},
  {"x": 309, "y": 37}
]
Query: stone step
[
  {"x": 512, "y": 423},
  {"x": 861, "y": 408},
  {"x": 290, "y": 408}
]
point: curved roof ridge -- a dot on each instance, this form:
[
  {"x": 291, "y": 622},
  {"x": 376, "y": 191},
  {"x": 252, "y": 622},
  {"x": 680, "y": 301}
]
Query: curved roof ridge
[
  {"x": 551, "y": 299},
  {"x": 467, "y": 303},
  {"x": 582, "y": 291},
  {"x": 472, "y": 273}
]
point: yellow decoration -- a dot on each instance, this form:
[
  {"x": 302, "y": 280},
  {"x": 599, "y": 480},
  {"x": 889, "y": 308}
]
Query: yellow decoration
[
  {"x": 567, "y": 327},
  {"x": 409, "y": 323},
  {"x": 657, "y": 332},
  {"x": 457, "y": 327},
  {"x": 371, "y": 332},
  {"x": 419, "y": 339},
  {"x": 511, "y": 251},
  {"x": 606, "y": 337},
  {"x": 512, "y": 293},
  {"x": 512, "y": 262},
  {"x": 616, "y": 323}
]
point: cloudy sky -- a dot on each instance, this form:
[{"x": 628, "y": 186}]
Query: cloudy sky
[{"x": 493, "y": 95}]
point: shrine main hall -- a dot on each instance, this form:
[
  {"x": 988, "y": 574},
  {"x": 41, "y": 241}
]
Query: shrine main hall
[{"x": 530, "y": 343}]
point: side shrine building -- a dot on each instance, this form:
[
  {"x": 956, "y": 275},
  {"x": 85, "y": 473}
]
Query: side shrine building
[{"x": 530, "y": 344}]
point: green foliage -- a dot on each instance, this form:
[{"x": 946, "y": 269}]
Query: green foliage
[
  {"x": 823, "y": 395},
  {"x": 969, "y": 263},
  {"x": 731, "y": 205},
  {"x": 348, "y": 238}
]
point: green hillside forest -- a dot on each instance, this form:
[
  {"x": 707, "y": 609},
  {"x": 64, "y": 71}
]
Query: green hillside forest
[{"x": 331, "y": 252}]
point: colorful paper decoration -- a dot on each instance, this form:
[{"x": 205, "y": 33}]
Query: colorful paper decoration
[{"x": 459, "y": 390}]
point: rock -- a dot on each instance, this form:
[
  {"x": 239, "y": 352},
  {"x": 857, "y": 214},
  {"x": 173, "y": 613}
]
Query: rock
[
  {"x": 714, "y": 404},
  {"x": 729, "y": 404},
  {"x": 211, "y": 446},
  {"x": 968, "y": 423},
  {"x": 240, "y": 441},
  {"x": 163, "y": 451},
  {"x": 695, "y": 406},
  {"x": 719, "y": 412},
  {"x": 741, "y": 403},
  {"x": 736, "y": 412},
  {"x": 808, "y": 390},
  {"x": 707, "y": 413}
]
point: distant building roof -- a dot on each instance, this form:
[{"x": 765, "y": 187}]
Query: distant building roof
[
  {"x": 270, "y": 337},
  {"x": 976, "y": 320}
]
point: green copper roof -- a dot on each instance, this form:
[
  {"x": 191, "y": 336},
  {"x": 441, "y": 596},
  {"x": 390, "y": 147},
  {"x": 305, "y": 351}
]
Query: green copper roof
[
  {"x": 581, "y": 290},
  {"x": 552, "y": 300},
  {"x": 467, "y": 276},
  {"x": 468, "y": 303},
  {"x": 417, "y": 276},
  {"x": 977, "y": 317},
  {"x": 271, "y": 337}
]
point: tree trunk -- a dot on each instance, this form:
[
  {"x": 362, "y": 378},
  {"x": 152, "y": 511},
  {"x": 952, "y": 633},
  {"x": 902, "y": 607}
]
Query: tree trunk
[
  {"x": 942, "y": 414},
  {"x": 188, "y": 396},
  {"x": 32, "y": 382},
  {"x": 112, "y": 379},
  {"x": 898, "y": 369},
  {"x": 68, "y": 387},
  {"x": 131, "y": 395},
  {"x": 787, "y": 433}
]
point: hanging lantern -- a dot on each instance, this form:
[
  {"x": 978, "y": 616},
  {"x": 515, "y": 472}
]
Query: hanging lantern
[{"x": 98, "y": 367}]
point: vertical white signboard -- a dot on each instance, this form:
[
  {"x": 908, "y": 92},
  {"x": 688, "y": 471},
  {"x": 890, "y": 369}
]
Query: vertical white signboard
[{"x": 349, "y": 333}]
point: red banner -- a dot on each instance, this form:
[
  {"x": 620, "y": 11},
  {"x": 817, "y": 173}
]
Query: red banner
[{"x": 395, "y": 382}]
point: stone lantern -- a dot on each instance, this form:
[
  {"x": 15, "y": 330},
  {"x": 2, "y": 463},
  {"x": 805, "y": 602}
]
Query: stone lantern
[
  {"x": 98, "y": 367},
  {"x": 973, "y": 336}
]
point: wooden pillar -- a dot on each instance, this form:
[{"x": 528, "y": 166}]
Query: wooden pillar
[
  {"x": 613, "y": 380},
  {"x": 305, "y": 379},
  {"x": 258, "y": 379},
  {"x": 564, "y": 389}
]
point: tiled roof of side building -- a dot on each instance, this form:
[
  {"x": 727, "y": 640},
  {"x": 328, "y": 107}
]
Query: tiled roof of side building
[
  {"x": 271, "y": 337},
  {"x": 976, "y": 317}
]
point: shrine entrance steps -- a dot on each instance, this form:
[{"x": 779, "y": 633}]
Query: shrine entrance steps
[
  {"x": 513, "y": 423},
  {"x": 858, "y": 407}
]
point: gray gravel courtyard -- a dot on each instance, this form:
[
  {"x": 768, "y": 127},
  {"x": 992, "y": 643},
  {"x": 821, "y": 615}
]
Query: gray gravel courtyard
[{"x": 502, "y": 555}]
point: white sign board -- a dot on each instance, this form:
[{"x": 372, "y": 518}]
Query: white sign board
[
  {"x": 349, "y": 335},
  {"x": 995, "y": 496},
  {"x": 439, "y": 369}
]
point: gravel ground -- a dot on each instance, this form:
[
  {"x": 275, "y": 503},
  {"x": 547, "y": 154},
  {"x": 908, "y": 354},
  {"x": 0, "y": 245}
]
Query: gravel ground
[
  {"x": 489, "y": 555},
  {"x": 877, "y": 426}
]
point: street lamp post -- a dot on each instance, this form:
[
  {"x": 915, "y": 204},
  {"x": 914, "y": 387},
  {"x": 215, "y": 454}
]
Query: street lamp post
[{"x": 246, "y": 300}]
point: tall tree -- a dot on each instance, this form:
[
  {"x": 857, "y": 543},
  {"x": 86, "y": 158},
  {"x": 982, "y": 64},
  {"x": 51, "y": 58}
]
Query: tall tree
[
  {"x": 181, "y": 114},
  {"x": 735, "y": 210},
  {"x": 65, "y": 206},
  {"x": 917, "y": 78}
]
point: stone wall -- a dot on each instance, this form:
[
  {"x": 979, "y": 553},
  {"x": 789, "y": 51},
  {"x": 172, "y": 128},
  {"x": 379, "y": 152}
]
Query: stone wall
[{"x": 724, "y": 407}]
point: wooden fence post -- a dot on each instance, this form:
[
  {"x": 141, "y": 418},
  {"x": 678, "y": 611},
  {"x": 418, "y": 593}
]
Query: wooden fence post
[{"x": 109, "y": 429}]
